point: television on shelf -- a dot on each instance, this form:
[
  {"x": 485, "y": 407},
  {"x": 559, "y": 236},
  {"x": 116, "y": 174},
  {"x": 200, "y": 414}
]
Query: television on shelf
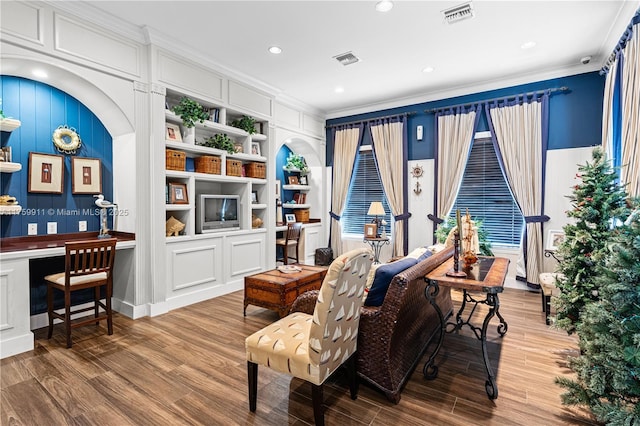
[{"x": 217, "y": 213}]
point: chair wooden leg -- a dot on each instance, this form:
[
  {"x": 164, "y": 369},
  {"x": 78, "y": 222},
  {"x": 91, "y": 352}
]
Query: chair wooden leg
[
  {"x": 544, "y": 306},
  {"x": 96, "y": 304},
  {"x": 50, "y": 310},
  {"x": 318, "y": 409},
  {"x": 252, "y": 373},
  {"x": 285, "y": 255},
  {"x": 107, "y": 303},
  {"x": 353, "y": 376},
  {"x": 297, "y": 254},
  {"x": 67, "y": 316}
]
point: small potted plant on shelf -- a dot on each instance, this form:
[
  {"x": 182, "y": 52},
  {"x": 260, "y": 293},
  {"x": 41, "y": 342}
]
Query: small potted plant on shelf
[
  {"x": 246, "y": 123},
  {"x": 296, "y": 163},
  {"x": 190, "y": 111},
  {"x": 220, "y": 141}
]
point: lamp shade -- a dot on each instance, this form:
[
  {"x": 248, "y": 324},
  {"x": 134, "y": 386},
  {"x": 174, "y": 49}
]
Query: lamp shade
[{"x": 376, "y": 209}]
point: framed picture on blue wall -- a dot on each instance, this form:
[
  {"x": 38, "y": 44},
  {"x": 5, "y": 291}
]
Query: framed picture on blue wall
[
  {"x": 86, "y": 175},
  {"x": 46, "y": 173}
]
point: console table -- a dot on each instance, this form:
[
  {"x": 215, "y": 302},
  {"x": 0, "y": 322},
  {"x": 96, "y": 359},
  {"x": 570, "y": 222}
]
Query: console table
[{"x": 486, "y": 276}]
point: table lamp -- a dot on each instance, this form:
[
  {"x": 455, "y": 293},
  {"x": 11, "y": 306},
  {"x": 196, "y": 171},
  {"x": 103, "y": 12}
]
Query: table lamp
[{"x": 376, "y": 209}]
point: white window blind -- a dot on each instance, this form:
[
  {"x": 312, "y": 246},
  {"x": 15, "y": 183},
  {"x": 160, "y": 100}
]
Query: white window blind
[
  {"x": 365, "y": 187},
  {"x": 485, "y": 192}
]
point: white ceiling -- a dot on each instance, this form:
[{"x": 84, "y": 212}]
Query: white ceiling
[{"x": 482, "y": 53}]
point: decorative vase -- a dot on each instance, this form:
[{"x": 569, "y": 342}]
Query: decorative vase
[{"x": 189, "y": 135}]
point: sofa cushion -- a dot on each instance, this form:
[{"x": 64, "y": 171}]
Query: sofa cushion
[{"x": 383, "y": 277}]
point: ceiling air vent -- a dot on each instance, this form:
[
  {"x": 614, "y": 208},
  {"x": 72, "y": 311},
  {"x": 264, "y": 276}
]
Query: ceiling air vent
[
  {"x": 347, "y": 58},
  {"x": 458, "y": 13}
]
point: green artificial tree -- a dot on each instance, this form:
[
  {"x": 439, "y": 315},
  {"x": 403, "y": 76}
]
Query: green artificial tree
[
  {"x": 596, "y": 203},
  {"x": 608, "y": 368}
]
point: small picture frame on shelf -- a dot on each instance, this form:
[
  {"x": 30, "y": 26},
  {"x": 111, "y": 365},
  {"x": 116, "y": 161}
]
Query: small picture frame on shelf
[
  {"x": 554, "y": 239},
  {"x": 254, "y": 197},
  {"x": 178, "y": 193},
  {"x": 86, "y": 175},
  {"x": 173, "y": 133},
  {"x": 255, "y": 149},
  {"x": 46, "y": 173},
  {"x": 303, "y": 180},
  {"x": 290, "y": 218},
  {"x": 370, "y": 230},
  {"x": 293, "y": 180}
]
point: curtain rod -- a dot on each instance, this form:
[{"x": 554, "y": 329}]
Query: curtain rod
[
  {"x": 622, "y": 43},
  {"x": 369, "y": 120},
  {"x": 504, "y": 98}
]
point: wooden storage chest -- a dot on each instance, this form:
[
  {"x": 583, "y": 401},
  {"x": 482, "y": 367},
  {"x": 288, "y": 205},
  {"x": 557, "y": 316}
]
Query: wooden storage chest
[{"x": 276, "y": 290}]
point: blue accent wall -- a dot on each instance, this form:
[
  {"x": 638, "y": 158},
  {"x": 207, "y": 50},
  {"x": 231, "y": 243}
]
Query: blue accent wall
[
  {"x": 41, "y": 109},
  {"x": 575, "y": 117}
]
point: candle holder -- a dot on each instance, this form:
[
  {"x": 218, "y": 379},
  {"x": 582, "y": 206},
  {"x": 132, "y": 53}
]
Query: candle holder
[{"x": 456, "y": 272}]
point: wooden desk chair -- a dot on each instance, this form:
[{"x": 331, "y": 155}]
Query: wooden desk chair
[
  {"x": 88, "y": 264},
  {"x": 291, "y": 239},
  {"x": 312, "y": 347}
]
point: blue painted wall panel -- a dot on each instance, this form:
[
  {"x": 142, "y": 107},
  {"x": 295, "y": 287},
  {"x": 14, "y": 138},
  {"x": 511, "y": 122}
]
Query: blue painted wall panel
[
  {"x": 41, "y": 109},
  {"x": 575, "y": 117}
]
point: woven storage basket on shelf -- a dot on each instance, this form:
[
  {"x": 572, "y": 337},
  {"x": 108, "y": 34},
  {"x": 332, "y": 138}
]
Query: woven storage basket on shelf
[
  {"x": 234, "y": 167},
  {"x": 256, "y": 170},
  {"x": 208, "y": 164},
  {"x": 175, "y": 160},
  {"x": 302, "y": 215}
]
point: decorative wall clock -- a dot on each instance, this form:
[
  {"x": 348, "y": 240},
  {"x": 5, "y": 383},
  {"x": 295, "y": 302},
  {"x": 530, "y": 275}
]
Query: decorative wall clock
[{"x": 66, "y": 139}]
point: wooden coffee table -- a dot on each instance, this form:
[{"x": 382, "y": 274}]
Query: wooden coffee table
[{"x": 277, "y": 290}]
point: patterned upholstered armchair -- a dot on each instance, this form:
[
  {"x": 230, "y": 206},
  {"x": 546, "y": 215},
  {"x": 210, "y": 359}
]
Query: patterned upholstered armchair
[{"x": 312, "y": 347}]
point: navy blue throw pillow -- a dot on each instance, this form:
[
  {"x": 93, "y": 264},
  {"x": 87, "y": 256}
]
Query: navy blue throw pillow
[{"x": 383, "y": 277}]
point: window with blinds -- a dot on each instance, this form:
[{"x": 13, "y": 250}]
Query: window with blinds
[
  {"x": 484, "y": 191},
  {"x": 365, "y": 187}
]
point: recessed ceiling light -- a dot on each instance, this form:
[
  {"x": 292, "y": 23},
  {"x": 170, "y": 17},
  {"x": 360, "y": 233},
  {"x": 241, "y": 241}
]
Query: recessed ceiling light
[
  {"x": 339, "y": 89},
  {"x": 384, "y": 6},
  {"x": 428, "y": 69},
  {"x": 39, "y": 74},
  {"x": 528, "y": 45},
  {"x": 275, "y": 50}
]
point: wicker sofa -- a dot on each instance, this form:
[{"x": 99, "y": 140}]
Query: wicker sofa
[{"x": 393, "y": 337}]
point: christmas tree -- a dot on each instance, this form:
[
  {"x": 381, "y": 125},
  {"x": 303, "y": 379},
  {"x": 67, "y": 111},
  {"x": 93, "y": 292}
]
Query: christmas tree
[
  {"x": 608, "y": 368},
  {"x": 596, "y": 202}
]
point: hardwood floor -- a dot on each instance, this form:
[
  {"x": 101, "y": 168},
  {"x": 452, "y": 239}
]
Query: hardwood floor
[{"x": 188, "y": 367}]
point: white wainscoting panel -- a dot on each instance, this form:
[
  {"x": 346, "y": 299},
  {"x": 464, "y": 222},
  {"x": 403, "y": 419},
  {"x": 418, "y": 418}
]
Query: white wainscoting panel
[
  {"x": 195, "y": 266},
  {"x": 245, "y": 255},
  {"x": 23, "y": 21},
  {"x": 15, "y": 332},
  {"x": 80, "y": 40},
  {"x": 189, "y": 76},
  {"x": 249, "y": 99},
  {"x": 313, "y": 125},
  {"x": 286, "y": 116}
]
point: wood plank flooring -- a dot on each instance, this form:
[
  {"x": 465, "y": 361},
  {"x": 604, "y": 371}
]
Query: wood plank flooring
[{"x": 188, "y": 367}]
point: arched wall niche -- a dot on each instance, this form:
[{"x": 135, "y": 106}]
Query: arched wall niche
[{"x": 99, "y": 102}]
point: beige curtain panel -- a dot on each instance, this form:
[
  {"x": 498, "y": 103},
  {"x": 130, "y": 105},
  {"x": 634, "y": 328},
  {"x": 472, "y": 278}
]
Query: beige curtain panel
[
  {"x": 630, "y": 171},
  {"x": 518, "y": 131},
  {"x": 344, "y": 154},
  {"x": 387, "y": 140},
  {"x": 455, "y": 133}
]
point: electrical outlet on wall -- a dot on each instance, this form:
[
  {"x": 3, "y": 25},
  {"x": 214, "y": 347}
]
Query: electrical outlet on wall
[
  {"x": 82, "y": 225},
  {"x": 32, "y": 229},
  {"x": 52, "y": 227}
]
